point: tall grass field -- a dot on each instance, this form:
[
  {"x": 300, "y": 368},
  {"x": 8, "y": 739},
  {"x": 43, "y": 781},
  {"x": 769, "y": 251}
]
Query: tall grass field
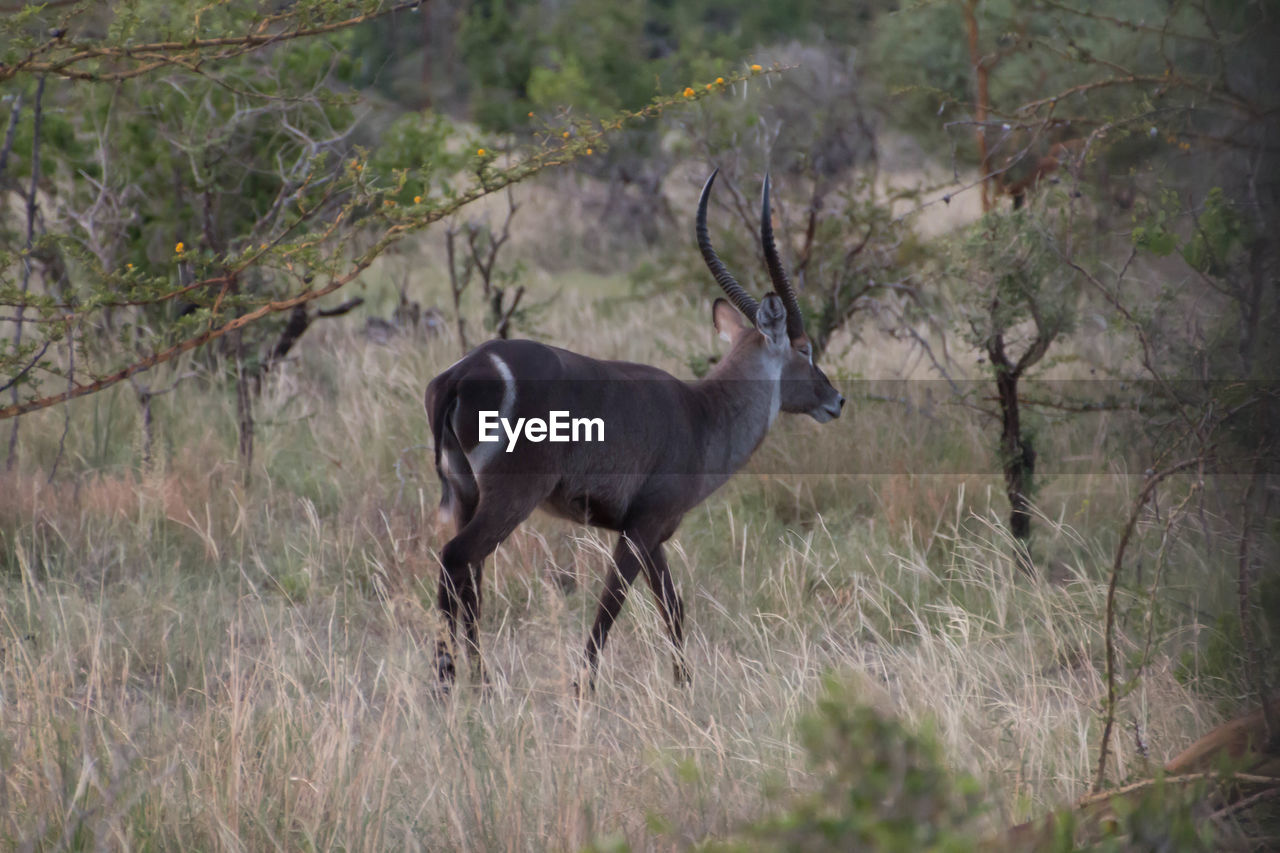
[{"x": 190, "y": 662}]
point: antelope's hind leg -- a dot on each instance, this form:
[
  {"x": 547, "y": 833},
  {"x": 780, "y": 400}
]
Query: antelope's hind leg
[
  {"x": 458, "y": 514},
  {"x": 459, "y": 496},
  {"x": 495, "y": 516}
]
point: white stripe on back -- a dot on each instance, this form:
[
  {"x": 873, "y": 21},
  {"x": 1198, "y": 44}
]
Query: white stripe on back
[{"x": 480, "y": 455}]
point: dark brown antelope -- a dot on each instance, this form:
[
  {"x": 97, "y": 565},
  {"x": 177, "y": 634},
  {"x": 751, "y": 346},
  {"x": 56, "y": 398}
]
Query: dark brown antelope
[{"x": 663, "y": 445}]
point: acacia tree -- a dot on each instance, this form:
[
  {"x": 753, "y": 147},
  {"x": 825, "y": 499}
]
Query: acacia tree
[
  {"x": 1081, "y": 117},
  {"x": 195, "y": 175},
  {"x": 1025, "y": 301},
  {"x": 1138, "y": 144}
]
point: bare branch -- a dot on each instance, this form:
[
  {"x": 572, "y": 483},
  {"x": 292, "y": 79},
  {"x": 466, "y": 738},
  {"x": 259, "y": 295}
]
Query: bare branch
[
  {"x": 458, "y": 282},
  {"x": 339, "y": 310},
  {"x": 1243, "y": 597},
  {"x": 1134, "y": 26},
  {"x": 35, "y": 359},
  {"x": 66, "y": 411},
  {"x": 1153, "y": 479}
]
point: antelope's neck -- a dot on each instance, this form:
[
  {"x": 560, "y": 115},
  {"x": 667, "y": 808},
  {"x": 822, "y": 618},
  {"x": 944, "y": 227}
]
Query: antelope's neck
[{"x": 741, "y": 402}]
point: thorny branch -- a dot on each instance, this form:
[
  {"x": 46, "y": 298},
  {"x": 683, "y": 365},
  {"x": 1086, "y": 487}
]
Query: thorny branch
[
  {"x": 401, "y": 223},
  {"x": 392, "y": 235},
  {"x": 190, "y": 55}
]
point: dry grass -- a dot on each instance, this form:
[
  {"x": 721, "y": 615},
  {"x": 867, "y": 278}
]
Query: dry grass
[{"x": 188, "y": 664}]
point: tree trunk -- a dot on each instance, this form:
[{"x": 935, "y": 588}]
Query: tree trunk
[
  {"x": 1017, "y": 458},
  {"x": 982, "y": 99},
  {"x": 244, "y": 410},
  {"x": 31, "y": 202}
]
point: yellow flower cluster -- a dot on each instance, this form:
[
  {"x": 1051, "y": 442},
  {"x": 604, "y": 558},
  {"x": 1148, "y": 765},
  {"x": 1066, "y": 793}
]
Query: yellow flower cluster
[
  {"x": 180, "y": 248},
  {"x": 688, "y": 92},
  {"x": 479, "y": 152},
  {"x": 756, "y": 69}
]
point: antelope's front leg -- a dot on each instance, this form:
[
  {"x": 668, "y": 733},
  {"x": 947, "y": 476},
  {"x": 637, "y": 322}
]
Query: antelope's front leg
[
  {"x": 658, "y": 574},
  {"x": 626, "y": 565}
]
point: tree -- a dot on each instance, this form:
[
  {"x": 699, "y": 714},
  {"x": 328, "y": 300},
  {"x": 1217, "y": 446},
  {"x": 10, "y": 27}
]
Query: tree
[
  {"x": 1079, "y": 116},
  {"x": 195, "y": 175},
  {"x": 1022, "y": 300}
]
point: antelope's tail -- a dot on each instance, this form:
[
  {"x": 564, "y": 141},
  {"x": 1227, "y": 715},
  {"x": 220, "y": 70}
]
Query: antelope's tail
[{"x": 441, "y": 397}]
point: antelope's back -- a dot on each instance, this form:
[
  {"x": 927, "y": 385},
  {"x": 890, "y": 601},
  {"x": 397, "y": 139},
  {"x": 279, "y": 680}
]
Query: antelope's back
[{"x": 613, "y": 417}]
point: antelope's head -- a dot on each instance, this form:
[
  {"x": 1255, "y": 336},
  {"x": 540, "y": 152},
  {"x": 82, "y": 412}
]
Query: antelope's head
[{"x": 773, "y": 328}]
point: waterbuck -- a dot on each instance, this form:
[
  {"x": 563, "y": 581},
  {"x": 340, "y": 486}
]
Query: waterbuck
[{"x": 666, "y": 444}]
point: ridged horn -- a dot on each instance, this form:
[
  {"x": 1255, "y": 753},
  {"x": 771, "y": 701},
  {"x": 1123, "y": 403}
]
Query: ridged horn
[
  {"x": 742, "y": 300},
  {"x": 778, "y": 274}
]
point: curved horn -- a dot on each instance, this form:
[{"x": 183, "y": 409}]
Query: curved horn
[
  {"x": 781, "y": 283},
  {"x": 742, "y": 300}
]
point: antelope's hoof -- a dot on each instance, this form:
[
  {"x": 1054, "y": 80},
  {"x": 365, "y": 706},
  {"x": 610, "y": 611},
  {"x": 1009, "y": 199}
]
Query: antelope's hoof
[{"x": 445, "y": 670}]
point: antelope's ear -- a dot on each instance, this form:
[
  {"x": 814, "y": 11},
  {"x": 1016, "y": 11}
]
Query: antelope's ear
[
  {"x": 728, "y": 320},
  {"x": 771, "y": 319}
]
